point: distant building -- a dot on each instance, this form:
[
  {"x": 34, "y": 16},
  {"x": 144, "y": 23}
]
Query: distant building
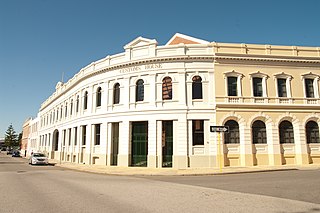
[
  {"x": 25, "y": 137},
  {"x": 33, "y": 140},
  {"x": 154, "y": 105}
]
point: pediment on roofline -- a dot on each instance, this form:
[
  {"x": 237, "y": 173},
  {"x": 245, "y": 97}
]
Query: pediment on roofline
[{"x": 139, "y": 42}]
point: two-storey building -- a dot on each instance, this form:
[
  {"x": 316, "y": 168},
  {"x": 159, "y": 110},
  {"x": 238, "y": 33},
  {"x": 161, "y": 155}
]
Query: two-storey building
[{"x": 153, "y": 106}]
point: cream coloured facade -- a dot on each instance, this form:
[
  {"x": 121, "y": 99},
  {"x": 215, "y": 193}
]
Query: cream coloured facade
[
  {"x": 153, "y": 106},
  {"x": 25, "y": 137}
]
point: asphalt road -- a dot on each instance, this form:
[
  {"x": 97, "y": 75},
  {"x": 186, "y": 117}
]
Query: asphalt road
[
  {"x": 301, "y": 185},
  {"x": 26, "y": 188}
]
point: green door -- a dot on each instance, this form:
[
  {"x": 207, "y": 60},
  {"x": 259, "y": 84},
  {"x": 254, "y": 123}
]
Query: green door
[
  {"x": 139, "y": 148},
  {"x": 167, "y": 143}
]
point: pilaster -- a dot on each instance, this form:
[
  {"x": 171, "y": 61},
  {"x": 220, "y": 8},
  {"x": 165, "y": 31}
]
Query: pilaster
[
  {"x": 124, "y": 147},
  {"x": 273, "y": 145},
  {"x": 152, "y": 144}
]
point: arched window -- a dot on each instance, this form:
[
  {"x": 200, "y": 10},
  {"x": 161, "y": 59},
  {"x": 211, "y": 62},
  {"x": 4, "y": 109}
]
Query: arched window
[
  {"x": 259, "y": 134},
  {"x": 312, "y": 132},
  {"x": 140, "y": 90},
  {"x": 71, "y": 106},
  {"x": 233, "y": 135},
  {"x": 286, "y": 132},
  {"x": 167, "y": 88},
  {"x": 77, "y": 104},
  {"x": 66, "y": 110},
  {"x": 116, "y": 93},
  {"x": 196, "y": 87},
  {"x": 98, "y": 97},
  {"x": 85, "y": 100}
]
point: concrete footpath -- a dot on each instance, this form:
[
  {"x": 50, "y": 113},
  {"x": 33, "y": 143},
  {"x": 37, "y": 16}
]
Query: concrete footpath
[{"x": 141, "y": 171}]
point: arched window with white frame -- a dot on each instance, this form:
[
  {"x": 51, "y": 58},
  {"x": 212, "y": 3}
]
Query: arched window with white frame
[
  {"x": 98, "y": 97},
  {"x": 312, "y": 132},
  {"x": 167, "y": 88},
  {"x": 85, "y": 100},
  {"x": 116, "y": 93},
  {"x": 196, "y": 87},
  {"x": 140, "y": 90}
]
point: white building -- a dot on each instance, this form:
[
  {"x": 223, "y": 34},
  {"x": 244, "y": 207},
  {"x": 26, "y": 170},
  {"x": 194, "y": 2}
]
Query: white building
[{"x": 153, "y": 106}]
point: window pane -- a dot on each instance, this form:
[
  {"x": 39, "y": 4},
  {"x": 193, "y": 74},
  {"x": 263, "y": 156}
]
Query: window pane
[
  {"x": 257, "y": 87},
  {"x": 232, "y": 86},
  {"x": 84, "y": 134},
  {"x": 259, "y": 132},
  {"x": 167, "y": 88},
  {"x": 77, "y": 104},
  {"x": 66, "y": 110},
  {"x": 286, "y": 132},
  {"x": 85, "y": 101},
  {"x": 69, "y": 137},
  {"x": 282, "y": 87},
  {"x": 312, "y": 132},
  {"x": 197, "y": 132},
  {"x": 140, "y": 90},
  {"x": 233, "y": 135},
  {"x": 97, "y": 134},
  {"x": 116, "y": 94},
  {"x": 196, "y": 87},
  {"x": 98, "y": 97},
  {"x": 71, "y": 107},
  {"x": 309, "y": 88}
]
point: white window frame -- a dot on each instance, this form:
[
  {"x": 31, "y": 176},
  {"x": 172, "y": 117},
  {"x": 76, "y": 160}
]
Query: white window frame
[
  {"x": 288, "y": 83},
  {"x": 264, "y": 83},
  {"x": 239, "y": 77},
  {"x": 315, "y": 83}
]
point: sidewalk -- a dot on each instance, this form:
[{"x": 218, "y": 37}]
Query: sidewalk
[{"x": 142, "y": 171}]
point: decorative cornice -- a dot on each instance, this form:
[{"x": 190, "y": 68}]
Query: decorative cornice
[{"x": 264, "y": 59}]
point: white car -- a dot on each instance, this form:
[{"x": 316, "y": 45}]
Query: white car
[{"x": 38, "y": 158}]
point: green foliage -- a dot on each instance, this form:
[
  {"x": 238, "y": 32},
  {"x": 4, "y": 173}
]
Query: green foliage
[{"x": 11, "y": 137}]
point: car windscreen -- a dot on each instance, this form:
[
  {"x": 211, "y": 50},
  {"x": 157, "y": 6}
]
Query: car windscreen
[{"x": 38, "y": 155}]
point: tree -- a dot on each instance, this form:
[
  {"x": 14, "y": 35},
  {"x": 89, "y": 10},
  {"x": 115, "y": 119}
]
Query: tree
[
  {"x": 11, "y": 137},
  {"x": 20, "y": 139}
]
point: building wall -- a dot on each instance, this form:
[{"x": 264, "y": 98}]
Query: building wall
[
  {"x": 60, "y": 130},
  {"x": 25, "y": 137}
]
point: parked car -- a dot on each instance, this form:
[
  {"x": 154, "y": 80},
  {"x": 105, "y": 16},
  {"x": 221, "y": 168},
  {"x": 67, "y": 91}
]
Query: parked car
[
  {"x": 10, "y": 152},
  {"x": 38, "y": 158},
  {"x": 16, "y": 153}
]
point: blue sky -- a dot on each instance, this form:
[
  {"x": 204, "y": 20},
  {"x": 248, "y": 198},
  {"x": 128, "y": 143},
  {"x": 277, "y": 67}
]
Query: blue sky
[{"x": 41, "y": 39}]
